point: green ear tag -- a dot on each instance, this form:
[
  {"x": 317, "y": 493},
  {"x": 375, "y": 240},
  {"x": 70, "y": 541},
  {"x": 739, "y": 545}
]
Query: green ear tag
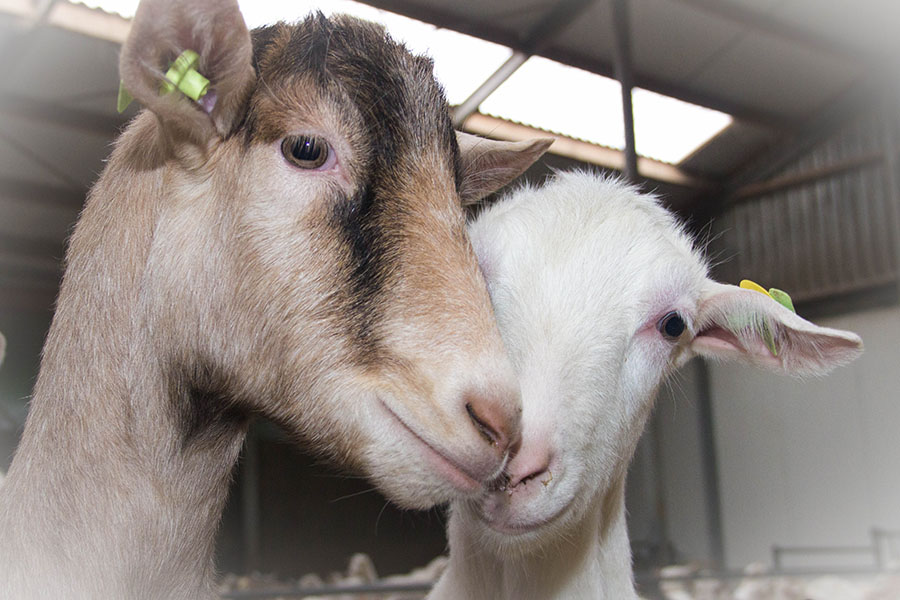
[
  {"x": 783, "y": 299},
  {"x": 124, "y": 98},
  {"x": 182, "y": 76},
  {"x": 778, "y": 296}
]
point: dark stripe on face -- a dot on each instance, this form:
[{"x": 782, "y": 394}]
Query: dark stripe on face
[
  {"x": 401, "y": 112},
  {"x": 357, "y": 220}
]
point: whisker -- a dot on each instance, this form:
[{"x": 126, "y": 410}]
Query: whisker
[{"x": 354, "y": 495}]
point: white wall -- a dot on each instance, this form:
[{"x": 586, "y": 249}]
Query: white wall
[
  {"x": 678, "y": 452},
  {"x": 688, "y": 526},
  {"x": 814, "y": 462}
]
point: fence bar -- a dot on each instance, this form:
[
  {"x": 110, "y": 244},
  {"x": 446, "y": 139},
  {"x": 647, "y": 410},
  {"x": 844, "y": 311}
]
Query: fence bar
[{"x": 329, "y": 590}]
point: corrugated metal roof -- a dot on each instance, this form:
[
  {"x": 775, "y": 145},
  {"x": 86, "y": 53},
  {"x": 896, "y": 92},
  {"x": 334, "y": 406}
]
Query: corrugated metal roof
[{"x": 775, "y": 65}]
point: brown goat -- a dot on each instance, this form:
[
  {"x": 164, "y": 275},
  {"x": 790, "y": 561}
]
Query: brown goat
[{"x": 291, "y": 246}]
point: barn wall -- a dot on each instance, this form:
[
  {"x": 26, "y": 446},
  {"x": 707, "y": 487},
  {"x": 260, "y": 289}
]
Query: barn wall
[
  {"x": 667, "y": 514},
  {"x": 811, "y": 462},
  {"x": 817, "y": 238}
]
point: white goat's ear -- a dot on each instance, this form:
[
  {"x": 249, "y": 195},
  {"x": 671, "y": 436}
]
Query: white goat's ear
[
  {"x": 488, "y": 165},
  {"x": 2, "y": 348},
  {"x": 739, "y": 324},
  {"x": 162, "y": 30}
]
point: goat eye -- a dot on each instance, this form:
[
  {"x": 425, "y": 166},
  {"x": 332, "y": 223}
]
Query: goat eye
[
  {"x": 305, "y": 151},
  {"x": 671, "y": 325}
]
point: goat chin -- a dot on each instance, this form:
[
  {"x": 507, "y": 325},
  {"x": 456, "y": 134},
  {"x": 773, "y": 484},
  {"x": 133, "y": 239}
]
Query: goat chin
[{"x": 600, "y": 294}]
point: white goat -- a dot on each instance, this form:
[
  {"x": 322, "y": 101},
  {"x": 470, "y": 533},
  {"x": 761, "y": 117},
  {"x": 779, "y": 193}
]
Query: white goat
[{"x": 599, "y": 294}]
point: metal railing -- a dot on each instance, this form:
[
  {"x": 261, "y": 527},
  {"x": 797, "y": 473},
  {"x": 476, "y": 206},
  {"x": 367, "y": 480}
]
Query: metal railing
[
  {"x": 330, "y": 590},
  {"x": 879, "y": 551}
]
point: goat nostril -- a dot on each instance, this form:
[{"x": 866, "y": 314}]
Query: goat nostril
[
  {"x": 483, "y": 424},
  {"x": 531, "y": 463}
]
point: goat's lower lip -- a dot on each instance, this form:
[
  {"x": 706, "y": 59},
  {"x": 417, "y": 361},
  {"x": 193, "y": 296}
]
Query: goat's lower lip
[
  {"x": 497, "y": 513},
  {"x": 452, "y": 471},
  {"x": 508, "y": 526}
]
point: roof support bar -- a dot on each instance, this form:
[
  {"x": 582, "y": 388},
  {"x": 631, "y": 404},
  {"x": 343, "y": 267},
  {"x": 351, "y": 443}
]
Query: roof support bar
[
  {"x": 471, "y": 104},
  {"x": 556, "y": 20},
  {"x": 622, "y": 36}
]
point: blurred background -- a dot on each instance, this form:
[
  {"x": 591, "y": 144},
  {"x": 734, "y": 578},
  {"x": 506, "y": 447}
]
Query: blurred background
[{"x": 772, "y": 127}]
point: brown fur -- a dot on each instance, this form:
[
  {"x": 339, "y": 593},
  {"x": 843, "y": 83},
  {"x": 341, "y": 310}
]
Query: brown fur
[{"x": 208, "y": 281}]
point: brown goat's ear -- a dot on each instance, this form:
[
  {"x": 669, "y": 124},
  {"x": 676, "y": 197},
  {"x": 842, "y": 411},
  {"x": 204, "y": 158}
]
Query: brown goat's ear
[
  {"x": 488, "y": 165},
  {"x": 162, "y": 30}
]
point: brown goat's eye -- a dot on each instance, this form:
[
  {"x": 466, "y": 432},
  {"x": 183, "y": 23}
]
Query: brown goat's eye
[
  {"x": 305, "y": 151},
  {"x": 671, "y": 325}
]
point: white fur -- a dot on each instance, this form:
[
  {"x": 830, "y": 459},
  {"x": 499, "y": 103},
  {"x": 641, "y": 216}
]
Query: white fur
[{"x": 580, "y": 273}]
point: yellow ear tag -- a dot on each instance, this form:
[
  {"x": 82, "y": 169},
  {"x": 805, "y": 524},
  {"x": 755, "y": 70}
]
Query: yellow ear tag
[{"x": 752, "y": 285}]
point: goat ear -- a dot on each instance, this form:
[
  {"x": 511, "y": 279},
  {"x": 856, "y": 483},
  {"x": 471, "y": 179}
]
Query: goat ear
[
  {"x": 488, "y": 165},
  {"x": 739, "y": 324},
  {"x": 214, "y": 29},
  {"x": 2, "y": 348}
]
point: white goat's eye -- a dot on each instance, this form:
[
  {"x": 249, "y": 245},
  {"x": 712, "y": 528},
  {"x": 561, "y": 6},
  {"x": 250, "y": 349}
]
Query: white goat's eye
[
  {"x": 305, "y": 151},
  {"x": 671, "y": 325}
]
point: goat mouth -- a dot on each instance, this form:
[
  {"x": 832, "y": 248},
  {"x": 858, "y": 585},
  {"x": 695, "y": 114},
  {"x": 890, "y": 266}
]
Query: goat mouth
[
  {"x": 498, "y": 484},
  {"x": 449, "y": 469}
]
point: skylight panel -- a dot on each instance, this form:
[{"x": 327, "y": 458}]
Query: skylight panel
[
  {"x": 562, "y": 99},
  {"x": 670, "y": 130},
  {"x": 576, "y": 103}
]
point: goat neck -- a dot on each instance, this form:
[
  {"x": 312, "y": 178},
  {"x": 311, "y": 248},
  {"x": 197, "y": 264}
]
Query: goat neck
[{"x": 105, "y": 459}]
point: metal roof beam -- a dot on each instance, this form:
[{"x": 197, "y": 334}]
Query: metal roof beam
[
  {"x": 560, "y": 17},
  {"x": 737, "y": 110},
  {"x": 763, "y": 23},
  {"x": 600, "y": 67},
  {"x": 556, "y": 20},
  {"x": 471, "y": 104},
  {"x": 624, "y": 73}
]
